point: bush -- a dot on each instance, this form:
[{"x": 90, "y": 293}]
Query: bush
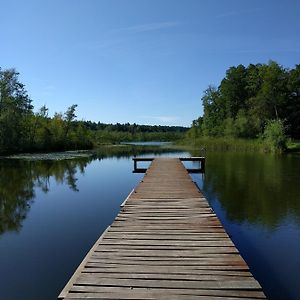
[{"x": 274, "y": 136}]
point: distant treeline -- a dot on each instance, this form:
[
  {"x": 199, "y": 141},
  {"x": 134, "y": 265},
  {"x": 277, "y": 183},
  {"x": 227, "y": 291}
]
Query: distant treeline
[
  {"x": 115, "y": 133},
  {"x": 23, "y": 130},
  {"x": 133, "y": 128},
  {"x": 257, "y": 101}
]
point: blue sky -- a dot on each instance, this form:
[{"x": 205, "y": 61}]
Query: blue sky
[{"x": 137, "y": 60}]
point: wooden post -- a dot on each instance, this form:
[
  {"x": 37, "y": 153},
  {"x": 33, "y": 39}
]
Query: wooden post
[
  {"x": 203, "y": 165},
  {"x": 135, "y": 165}
]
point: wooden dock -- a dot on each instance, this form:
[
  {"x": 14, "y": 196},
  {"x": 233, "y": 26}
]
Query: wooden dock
[{"x": 166, "y": 243}]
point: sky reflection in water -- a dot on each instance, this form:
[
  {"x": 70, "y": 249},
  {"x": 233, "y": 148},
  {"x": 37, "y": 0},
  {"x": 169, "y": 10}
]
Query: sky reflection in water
[{"x": 52, "y": 212}]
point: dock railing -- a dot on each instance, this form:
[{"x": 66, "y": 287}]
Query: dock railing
[{"x": 199, "y": 159}]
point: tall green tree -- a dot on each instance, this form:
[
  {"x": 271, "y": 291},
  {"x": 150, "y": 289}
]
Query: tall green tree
[
  {"x": 248, "y": 98},
  {"x": 269, "y": 101},
  {"x": 233, "y": 90},
  {"x": 69, "y": 117},
  {"x": 15, "y": 110},
  {"x": 293, "y": 102},
  {"x": 214, "y": 112}
]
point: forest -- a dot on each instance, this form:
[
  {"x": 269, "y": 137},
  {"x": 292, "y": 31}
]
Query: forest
[
  {"x": 257, "y": 106},
  {"x": 260, "y": 101},
  {"x": 23, "y": 130}
]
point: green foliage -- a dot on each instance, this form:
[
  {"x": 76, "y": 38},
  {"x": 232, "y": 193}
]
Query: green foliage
[
  {"x": 114, "y": 137},
  {"x": 233, "y": 87},
  {"x": 133, "y": 128},
  {"x": 247, "y": 99},
  {"x": 229, "y": 127},
  {"x": 242, "y": 125},
  {"x": 293, "y": 146},
  {"x": 225, "y": 144},
  {"x": 214, "y": 112},
  {"x": 15, "y": 110},
  {"x": 274, "y": 136},
  {"x": 19, "y": 180},
  {"x": 293, "y": 105},
  {"x": 22, "y": 130}
]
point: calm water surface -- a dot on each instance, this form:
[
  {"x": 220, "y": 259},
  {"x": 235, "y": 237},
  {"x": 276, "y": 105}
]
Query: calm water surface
[{"x": 51, "y": 213}]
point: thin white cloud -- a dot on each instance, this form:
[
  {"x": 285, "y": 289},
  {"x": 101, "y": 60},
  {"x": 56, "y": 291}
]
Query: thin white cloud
[
  {"x": 147, "y": 27},
  {"x": 116, "y": 37}
]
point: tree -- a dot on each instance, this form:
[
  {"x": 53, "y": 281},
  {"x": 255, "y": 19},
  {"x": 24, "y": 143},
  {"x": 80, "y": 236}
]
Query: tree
[
  {"x": 293, "y": 102},
  {"x": 242, "y": 125},
  {"x": 69, "y": 117},
  {"x": 214, "y": 112},
  {"x": 15, "y": 112},
  {"x": 233, "y": 90},
  {"x": 249, "y": 97},
  {"x": 270, "y": 100},
  {"x": 274, "y": 136}
]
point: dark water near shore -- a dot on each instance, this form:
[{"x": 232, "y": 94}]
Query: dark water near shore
[{"x": 51, "y": 213}]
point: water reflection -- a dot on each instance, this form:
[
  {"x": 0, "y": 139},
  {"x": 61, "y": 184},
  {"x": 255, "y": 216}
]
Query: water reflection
[
  {"x": 254, "y": 188},
  {"x": 132, "y": 150},
  {"x": 19, "y": 180},
  {"x": 255, "y": 196}
]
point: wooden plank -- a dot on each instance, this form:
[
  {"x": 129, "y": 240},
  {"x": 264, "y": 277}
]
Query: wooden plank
[
  {"x": 146, "y": 296},
  {"x": 169, "y": 270},
  {"x": 248, "y": 284},
  {"x": 166, "y": 243},
  {"x": 164, "y": 276},
  {"x": 157, "y": 250},
  {"x": 157, "y": 292},
  {"x": 144, "y": 242},
  {"x": 201, "y": 265}
]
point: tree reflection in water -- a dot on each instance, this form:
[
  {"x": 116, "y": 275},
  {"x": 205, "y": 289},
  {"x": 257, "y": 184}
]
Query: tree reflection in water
[
  {"x": 19, "y": 180},
  {"x": 254, "y": 188}
]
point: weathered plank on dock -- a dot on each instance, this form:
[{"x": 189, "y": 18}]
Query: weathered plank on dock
[{"x": 166, "y": 243}]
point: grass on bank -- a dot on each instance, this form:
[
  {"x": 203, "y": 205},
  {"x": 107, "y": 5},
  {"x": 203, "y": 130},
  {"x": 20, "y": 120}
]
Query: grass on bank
[
  {"x": 222, "y": 144},
  {"x": 293, "y": 146},
  {"x": 272, "y": 139},
  {"x": 234, "y": 144}
]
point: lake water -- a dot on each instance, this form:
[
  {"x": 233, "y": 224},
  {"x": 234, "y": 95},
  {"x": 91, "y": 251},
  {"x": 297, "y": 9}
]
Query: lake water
[{"x": 52, "y": 212}]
